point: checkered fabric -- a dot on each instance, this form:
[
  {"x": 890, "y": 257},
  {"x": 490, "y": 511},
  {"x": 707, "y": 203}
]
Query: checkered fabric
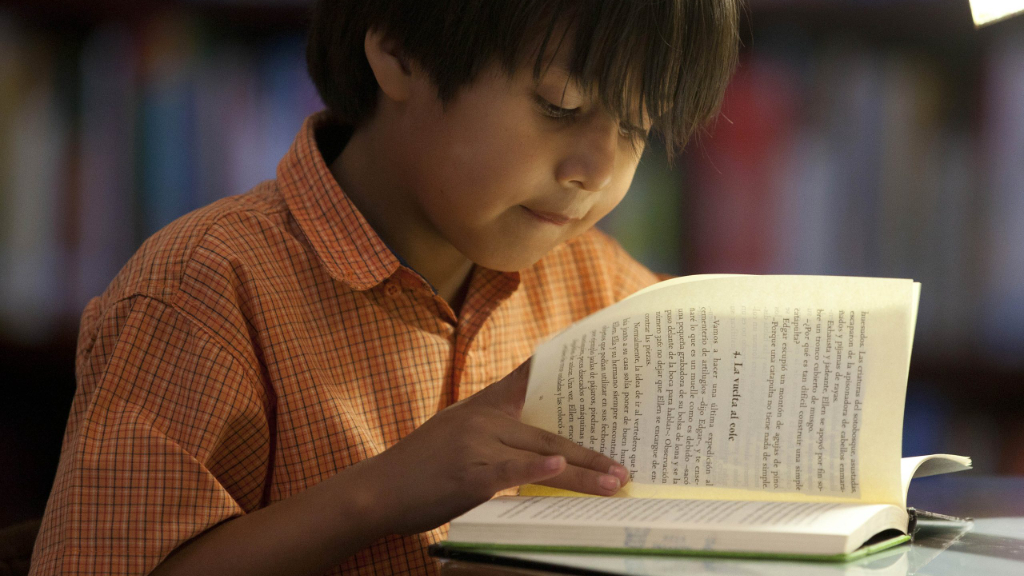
[{"x": 259, "y": 345}]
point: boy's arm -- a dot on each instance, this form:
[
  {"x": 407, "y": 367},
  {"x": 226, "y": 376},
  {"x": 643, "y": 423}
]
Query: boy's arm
[
  {"x": 458, "y": 459},
  {"x": 307, "y": 533},
  {"x": 167, "y": 436}
]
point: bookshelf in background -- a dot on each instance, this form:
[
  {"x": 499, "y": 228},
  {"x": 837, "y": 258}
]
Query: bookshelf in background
[
  {"x": 116, "y": 117},
  {"x": 861, "y": 138},
  {"x": 114, "y": 130},
  {"x": 855, "y": 149},
  {"x": 887, "y": 139}
]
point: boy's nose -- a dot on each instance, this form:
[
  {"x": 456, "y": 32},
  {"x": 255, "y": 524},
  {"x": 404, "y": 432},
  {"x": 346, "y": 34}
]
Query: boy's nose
[{"x": 590, "y": 161}]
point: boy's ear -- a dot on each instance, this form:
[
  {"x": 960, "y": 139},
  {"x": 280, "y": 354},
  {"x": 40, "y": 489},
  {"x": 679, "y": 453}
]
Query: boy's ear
[{"x": 392, "y": 70}]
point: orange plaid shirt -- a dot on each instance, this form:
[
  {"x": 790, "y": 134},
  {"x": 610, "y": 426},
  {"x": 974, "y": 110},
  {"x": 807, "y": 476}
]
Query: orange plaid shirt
[{"x": 257, "y": 346}]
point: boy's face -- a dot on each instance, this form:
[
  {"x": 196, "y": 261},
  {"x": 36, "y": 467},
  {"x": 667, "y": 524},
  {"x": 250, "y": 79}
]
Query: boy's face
[{"x": 505, "y": 172}]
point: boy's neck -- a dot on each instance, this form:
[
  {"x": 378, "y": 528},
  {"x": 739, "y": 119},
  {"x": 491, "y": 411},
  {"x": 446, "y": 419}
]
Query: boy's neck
[{"x": 371, "y": 184}]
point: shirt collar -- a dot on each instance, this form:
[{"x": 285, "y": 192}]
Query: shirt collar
[
  {"x": 340, "y": 235},
  {"x": 344, "y": 241}
]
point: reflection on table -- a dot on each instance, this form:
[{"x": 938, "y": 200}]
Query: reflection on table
[{"x": 992, "y": 543}]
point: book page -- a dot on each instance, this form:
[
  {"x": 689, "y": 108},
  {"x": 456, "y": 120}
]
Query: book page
[
  {"x": 752, "y": 516},
  {"x": 930, "y": 465},
  {"x": 633, "y": 523},
  {"x": 742, "y": 387}
]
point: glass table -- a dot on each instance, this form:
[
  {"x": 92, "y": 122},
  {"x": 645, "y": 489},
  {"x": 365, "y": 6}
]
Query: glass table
[{"x": 990, "y": 542}]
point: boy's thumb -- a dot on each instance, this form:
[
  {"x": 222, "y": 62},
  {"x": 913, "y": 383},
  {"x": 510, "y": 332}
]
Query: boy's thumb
[{"x": 509, "y": 393}]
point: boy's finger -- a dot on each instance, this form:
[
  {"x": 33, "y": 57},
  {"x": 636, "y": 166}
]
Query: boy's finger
[
  {"x": 527, "y": 468},
  {"x": 540, "y": 441},
  {"x": 509, "y": 393},
  {"x": 583, "y": 480}
]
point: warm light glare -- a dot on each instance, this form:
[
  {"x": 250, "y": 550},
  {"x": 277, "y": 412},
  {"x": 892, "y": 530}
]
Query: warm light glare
[{"x": 987, "y": 11}]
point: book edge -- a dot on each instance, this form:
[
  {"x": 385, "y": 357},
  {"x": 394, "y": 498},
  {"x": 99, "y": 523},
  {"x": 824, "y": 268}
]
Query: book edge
[{"x": 844, "y": 557}]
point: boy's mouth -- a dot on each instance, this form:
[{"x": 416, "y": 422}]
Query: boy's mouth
[{"x": 550, "y": 217}]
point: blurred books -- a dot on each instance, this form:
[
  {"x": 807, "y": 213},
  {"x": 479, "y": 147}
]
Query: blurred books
[
  {"x": 849, "y": 145},
  {"x": 849, "y": 158},
  {"x": 107, "y": 138}
]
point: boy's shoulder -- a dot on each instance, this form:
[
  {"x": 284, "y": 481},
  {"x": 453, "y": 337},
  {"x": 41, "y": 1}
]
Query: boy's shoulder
[
  {"x": 218, "y": 236},
  {"x": 206, "y": 254}
]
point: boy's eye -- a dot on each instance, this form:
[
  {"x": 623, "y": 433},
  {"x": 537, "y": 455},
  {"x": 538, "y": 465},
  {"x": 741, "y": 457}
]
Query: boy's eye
[
  {"x": 627, "y": 131},
  {"x": 632, "y": 132},
  {"x": 553, "y": 111}
]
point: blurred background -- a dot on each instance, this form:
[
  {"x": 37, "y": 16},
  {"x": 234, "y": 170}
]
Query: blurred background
[{"x": 859, "y": 137}]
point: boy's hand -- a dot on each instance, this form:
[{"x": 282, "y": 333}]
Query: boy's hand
[{"x": 469, "y": 451}]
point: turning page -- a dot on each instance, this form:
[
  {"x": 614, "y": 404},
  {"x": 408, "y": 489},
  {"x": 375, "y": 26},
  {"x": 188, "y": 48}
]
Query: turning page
[{"x": 738, "y": 387}]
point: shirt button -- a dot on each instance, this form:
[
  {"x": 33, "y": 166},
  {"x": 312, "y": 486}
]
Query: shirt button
[{"x": 392, "y": 289}]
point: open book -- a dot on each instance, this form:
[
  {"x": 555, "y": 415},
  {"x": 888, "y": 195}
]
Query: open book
[{"x": 758, "y": 416}]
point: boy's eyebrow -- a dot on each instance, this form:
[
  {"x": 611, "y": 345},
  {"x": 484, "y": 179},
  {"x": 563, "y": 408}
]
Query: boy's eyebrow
[
  {"x": 562, "y": 73},
  {"x": 569, "y": 81}
]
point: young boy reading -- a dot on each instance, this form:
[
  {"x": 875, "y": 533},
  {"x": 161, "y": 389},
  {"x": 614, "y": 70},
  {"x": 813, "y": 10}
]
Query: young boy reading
[{"x": 317, "y": 375}]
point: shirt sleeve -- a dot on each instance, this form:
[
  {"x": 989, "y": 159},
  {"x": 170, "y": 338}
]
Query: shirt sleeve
[{"x": 168, "y": 436}]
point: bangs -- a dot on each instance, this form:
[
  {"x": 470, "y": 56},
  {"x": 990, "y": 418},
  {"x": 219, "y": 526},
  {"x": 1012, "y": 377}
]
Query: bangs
[
  {"x": 667, "y": 61},
  {"x": 663, "y": 63}
]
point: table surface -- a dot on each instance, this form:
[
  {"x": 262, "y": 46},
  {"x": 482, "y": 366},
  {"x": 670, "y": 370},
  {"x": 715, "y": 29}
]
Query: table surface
[{"x": 991, "y": 543}]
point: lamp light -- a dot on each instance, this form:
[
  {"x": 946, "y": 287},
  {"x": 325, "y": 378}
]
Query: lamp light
[{"x": 989, "y": 11}]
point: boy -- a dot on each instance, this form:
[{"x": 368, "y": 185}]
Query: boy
[{"x": 295, "y": 381}]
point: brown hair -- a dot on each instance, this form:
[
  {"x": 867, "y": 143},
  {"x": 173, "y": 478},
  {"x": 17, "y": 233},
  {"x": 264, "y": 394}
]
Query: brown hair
[{"x": 670, "y": 58}]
